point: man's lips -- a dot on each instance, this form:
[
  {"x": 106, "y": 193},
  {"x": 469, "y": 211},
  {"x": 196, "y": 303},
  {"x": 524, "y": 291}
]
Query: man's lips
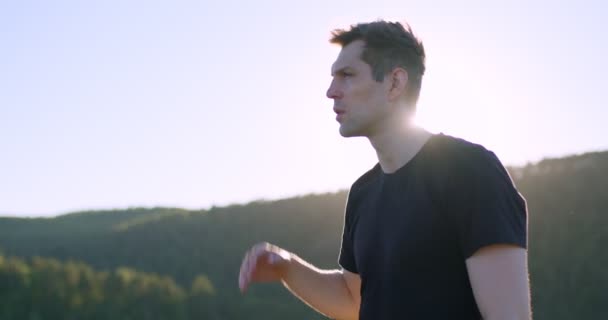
[
  {"x": 339, "y": 117},
  {"x": 339, "y": 114}
]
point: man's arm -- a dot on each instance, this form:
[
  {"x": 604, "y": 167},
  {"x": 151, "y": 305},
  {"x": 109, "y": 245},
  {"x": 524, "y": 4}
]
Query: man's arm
[
  {"x": 499, "y": 278},
  {"x": 334, "y": 293}
]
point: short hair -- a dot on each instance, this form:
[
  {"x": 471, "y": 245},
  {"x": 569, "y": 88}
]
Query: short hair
[{"x": 388, "y": 45}]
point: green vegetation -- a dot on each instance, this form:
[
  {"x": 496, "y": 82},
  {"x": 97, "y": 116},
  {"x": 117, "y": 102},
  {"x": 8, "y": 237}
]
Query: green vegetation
[
  {"x": 166, "y": 263},
  {"x": 48, "y": 289}
]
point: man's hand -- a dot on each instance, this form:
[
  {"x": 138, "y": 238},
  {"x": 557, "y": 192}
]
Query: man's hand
[
  {"x": 327, "y": 291},
  {"x": 264, "y": 262}
]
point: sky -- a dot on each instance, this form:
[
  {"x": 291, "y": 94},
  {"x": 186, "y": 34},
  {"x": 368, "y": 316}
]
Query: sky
[{"x": 115, "y": 104}]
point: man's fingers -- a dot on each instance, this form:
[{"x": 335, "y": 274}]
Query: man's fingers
[
  {"x": 241, "y": 275},
  {"x": 253, "y": 259},
  {"x": 249, "y": 265},
  {"x": 271, "y": 258},
  {"x": 244, "y": 271},
  {"x": 256, "y": 251},
  {"x": 245, "y": 263}
]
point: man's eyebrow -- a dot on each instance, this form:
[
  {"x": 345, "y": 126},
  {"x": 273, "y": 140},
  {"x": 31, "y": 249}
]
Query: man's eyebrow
[{"x": 339, "y": 71}]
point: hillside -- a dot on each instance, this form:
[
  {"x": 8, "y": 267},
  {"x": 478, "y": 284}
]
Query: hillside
[{"x": 567, "y": 200}]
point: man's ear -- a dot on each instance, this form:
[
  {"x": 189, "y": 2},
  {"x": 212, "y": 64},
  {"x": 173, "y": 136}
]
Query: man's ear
[{"x": 399, "y": 81}]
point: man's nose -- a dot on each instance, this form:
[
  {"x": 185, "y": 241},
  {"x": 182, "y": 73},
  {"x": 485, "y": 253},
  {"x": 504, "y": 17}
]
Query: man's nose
[{"x": 333, "y": 91}]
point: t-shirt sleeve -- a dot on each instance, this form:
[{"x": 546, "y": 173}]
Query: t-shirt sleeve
[
  {"x": 491, "y": 210},
  {"x": 347, "y": 256}
]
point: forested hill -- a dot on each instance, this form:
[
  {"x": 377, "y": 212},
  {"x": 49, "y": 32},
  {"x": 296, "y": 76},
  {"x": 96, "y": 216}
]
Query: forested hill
[{"x": 158, "y": 263}]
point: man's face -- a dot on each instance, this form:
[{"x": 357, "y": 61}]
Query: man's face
[{"x": 360, "y": 102}]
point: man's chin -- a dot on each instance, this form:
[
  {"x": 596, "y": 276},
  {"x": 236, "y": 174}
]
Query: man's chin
[{"x": 346, "y": 133}]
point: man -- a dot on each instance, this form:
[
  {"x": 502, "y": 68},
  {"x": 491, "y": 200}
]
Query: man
[{"x": 436, "y": 230}]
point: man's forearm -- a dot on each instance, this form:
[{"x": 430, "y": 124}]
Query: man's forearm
[{"x": 324, "y": 290}]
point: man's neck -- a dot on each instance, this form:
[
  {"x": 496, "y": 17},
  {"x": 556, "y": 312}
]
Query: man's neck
[{"x": 396, "y": 146}]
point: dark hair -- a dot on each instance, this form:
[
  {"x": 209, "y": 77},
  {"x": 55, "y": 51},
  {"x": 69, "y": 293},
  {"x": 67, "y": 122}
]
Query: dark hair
[{"x": 388, "y": 45}]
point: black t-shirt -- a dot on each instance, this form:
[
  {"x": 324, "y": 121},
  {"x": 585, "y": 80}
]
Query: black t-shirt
[{"x": 408, "y": 233}]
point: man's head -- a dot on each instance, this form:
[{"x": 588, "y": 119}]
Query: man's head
[{"x": 379, "y": 68}]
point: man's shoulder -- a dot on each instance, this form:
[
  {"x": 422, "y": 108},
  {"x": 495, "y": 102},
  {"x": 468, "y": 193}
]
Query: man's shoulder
[
  {"x": 442, "y": 155},
  {"x": 456, "y": 152},
  {"x": 464, "y": 163},
  {"x": 455, "y": 146}
]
